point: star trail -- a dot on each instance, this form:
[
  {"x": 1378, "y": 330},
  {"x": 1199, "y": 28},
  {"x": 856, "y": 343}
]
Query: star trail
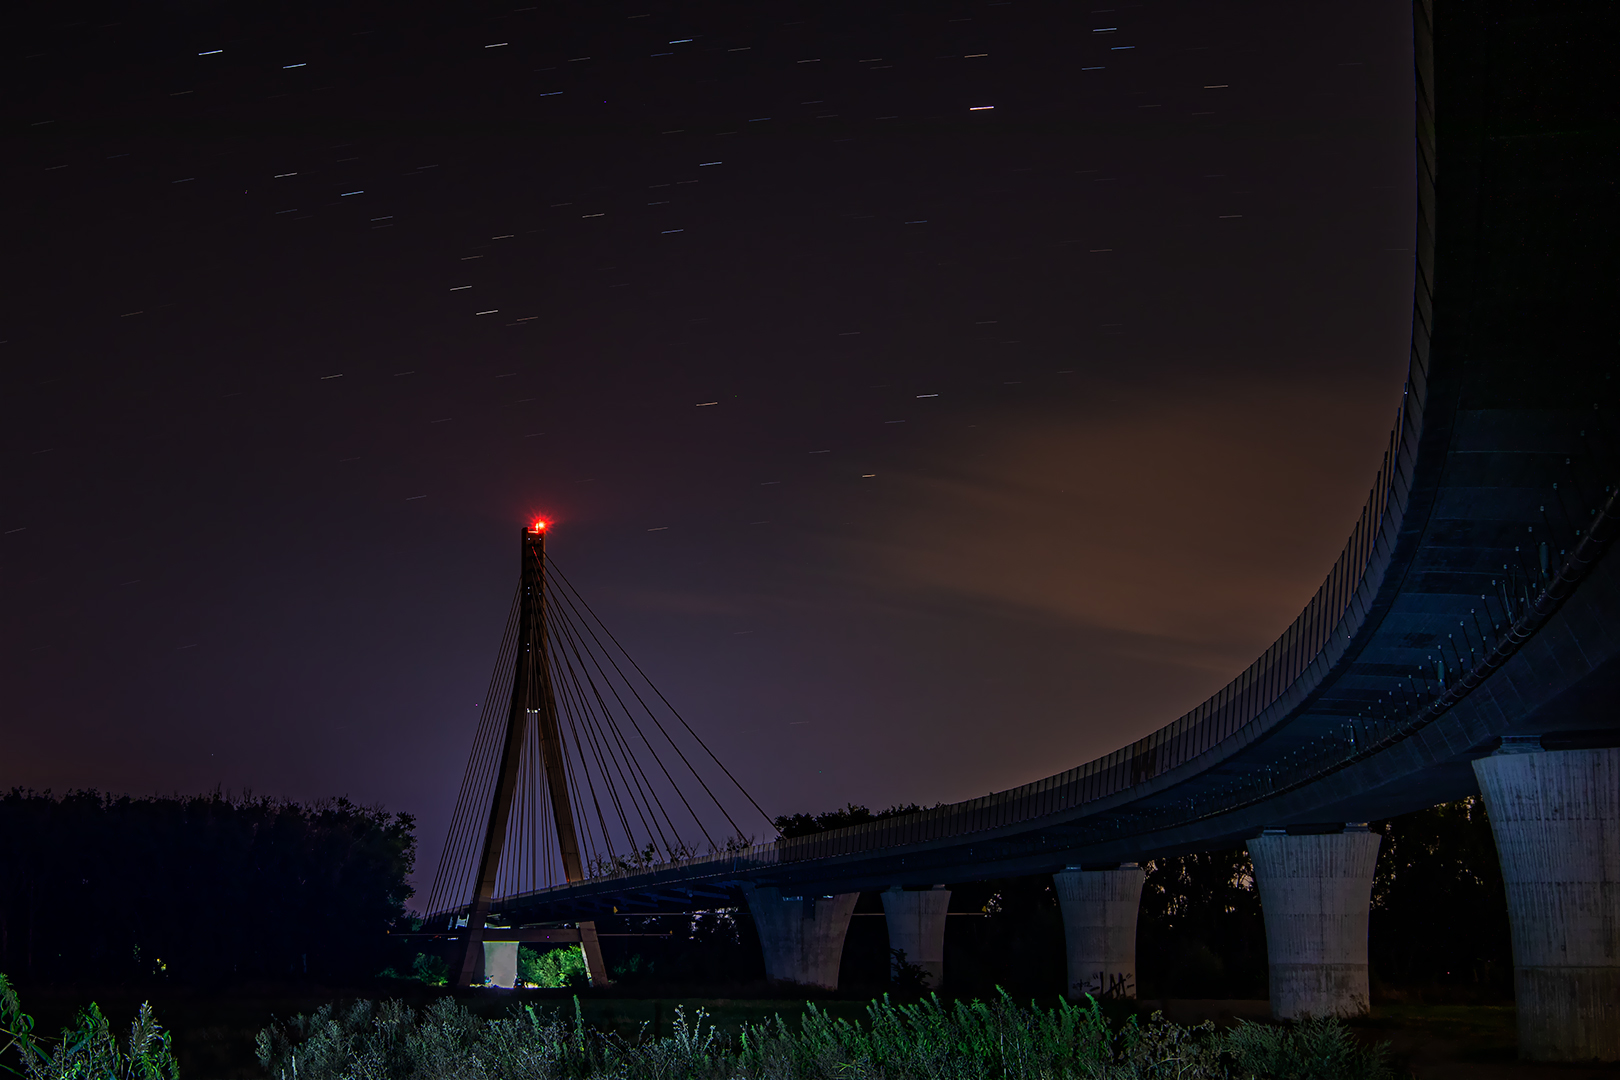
[{"x": 894, "y": 375}]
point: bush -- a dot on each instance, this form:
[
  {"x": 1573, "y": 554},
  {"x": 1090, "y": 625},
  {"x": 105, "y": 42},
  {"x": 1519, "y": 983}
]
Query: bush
[
  {"x": 1311, "y": 1050},
  {"x": 426, "y": 968},
  {"x": 553, "y": 968},
  {"x": 906, "y": 976},
  {"x": 995, "y": 1040}
]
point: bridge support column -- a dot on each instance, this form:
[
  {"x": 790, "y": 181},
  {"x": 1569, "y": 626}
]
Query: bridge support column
[
  {"x": 1315, "y": 893},
  {"x": 500, "y": 964},
  {"x": 1556, "y": 818},
  {"x": 1099, "y": 928},
  {"x": 916, "y": 923},
  {"x": 802, "y": 936}
]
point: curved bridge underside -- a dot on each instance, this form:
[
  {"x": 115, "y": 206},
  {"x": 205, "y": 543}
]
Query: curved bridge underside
[{"x": 1471, "y": 602}]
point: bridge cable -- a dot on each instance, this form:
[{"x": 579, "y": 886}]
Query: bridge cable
[
  {"x": 451, "y": 858},
  {"x": 633, "y": 785},
  {"x": 657, "y": 758},
  {"x": 572, "y": 631},
  {"x": 675, "y": 712}
]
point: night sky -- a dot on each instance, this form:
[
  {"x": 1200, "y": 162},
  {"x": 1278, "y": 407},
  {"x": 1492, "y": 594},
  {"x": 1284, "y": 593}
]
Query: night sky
[{"x": 930, "y": 396}]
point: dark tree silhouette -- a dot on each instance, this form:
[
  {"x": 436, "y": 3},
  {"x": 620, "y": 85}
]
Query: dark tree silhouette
[
  {"x": 791, "y": 825},
  {"x": 1200, "y": 932},
  {"x": 197, "y": 889},
  {"x": 1439, "y": 912}
]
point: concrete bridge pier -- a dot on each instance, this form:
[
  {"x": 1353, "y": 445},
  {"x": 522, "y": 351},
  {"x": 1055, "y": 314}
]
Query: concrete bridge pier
[
  {"x": 1556, "y": 818},
  {"x": 1099, "y": 928},
  {"x": 500, "y": 964},
  {"x": 916, "y": 923},
  {"x": 1315, "y": 893},
  {"x": 802, "y": 935}
]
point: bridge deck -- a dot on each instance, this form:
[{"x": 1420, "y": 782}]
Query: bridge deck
[{"x": 1471, "y": 600}]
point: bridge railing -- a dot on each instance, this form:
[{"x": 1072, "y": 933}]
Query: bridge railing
[
  {"x": 1337, "y": 607},
  {"x": 1302, "y": 653},
  {"x": 1271, "y": 689}
]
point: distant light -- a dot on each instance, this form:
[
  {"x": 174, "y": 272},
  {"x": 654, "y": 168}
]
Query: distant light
[
  {"x": 498, "y": 45},
  {"x": 211, "y": 52},
  {"x": 680, "y": 41},
  {"x": 979, "y": 108},
  {"x": 289, "y": 67},
  {"x": 346, "y": 194},
  {"x": 703, "y": 164},
  {"x": 539, "y": 526}
]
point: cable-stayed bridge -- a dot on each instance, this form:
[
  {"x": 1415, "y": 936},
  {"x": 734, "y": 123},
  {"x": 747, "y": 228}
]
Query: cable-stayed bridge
[{"x": 1467, "y": 639}]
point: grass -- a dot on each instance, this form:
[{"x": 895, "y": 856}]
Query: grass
[
  {"x": 928, "y": 1040},
  {"x": 213, "y": 1030},
  {"x": 1426, "y": 1033}
]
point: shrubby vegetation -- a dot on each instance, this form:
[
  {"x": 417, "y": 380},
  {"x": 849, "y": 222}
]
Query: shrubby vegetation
[
  {"x": 87, "y": 1050},
  {"x": 197, "y": 889},
  {"x": 553, "y": 968},
  {"x": 998, "y": 1040},
  {"x": 426, "y": 968},
  {"x": 702, "y": 948}
]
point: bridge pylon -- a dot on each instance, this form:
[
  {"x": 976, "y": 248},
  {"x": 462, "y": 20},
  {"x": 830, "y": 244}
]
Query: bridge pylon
[
  {"x": 533, "y": 702},
  {"x": 581, "y": 771}
]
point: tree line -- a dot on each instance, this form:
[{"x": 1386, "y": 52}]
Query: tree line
[
  {"x": 198, "y": 889},
  {"x": 213, "y": 888},
  {"x": 1438, "y": 926}
]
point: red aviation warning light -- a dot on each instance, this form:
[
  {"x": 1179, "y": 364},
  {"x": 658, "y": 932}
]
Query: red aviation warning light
[{"x": 539, "y": 525}]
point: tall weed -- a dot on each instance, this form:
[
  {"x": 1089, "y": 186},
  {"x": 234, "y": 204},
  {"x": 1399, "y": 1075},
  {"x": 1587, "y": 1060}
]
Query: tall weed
[
  {"x": 86, "y": 1050},
  {"x": 925, "y": 1040}
]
